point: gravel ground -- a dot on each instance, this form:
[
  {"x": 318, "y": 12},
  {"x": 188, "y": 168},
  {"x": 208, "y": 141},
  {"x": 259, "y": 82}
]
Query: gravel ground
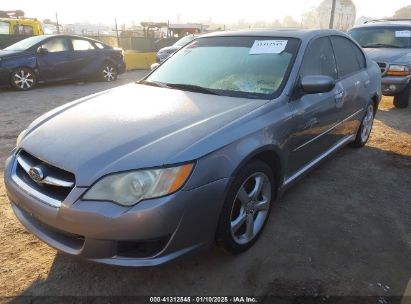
[{"x": 345, "y": 229}]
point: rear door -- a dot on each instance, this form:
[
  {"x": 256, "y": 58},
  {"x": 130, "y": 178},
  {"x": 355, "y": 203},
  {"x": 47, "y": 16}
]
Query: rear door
[
  {"x": 315, "y": 115},
  {"x": 354, "y": 79},
  {"x": 83, "y": 57},
  {"x": 56, "y": 63}
]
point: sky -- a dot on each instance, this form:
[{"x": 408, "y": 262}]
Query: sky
[{"x": 219, "y": 11}]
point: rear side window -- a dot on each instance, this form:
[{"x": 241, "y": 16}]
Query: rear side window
[
  {"x": 82, "y": 45},
  {"x": 55, "y": 45},
  {"x": 319, "y": 59},
  {"x": 23, "y": 29},
  {"x": 4, "y": 28},
  {"x": 347, "y": 58},
  {"x": 99, "y": 45}
]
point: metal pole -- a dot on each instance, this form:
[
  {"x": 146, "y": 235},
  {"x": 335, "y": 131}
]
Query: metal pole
[
  {"x": 332, "y": 14},
  {"x": 57, "y": 22},
  {"x": 118, "y": 38}
]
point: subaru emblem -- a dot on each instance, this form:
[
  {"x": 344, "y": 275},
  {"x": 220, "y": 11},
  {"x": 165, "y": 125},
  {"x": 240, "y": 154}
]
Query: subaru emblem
[{"x": 36, "y": 174}]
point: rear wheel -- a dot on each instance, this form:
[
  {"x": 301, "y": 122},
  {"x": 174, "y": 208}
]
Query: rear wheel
[
  {"x": 23, "y": 79},
  {"x": 108, "y": 72},
  {"x": 403, "y": 99},
  {"x": 364, "y": 131},
  {"x": 247, "y": 207}
]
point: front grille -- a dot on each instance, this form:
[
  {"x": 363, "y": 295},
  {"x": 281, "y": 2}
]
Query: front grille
[
  {"x": 52, "y": 188},
  {"x": 383, "y": 67}
]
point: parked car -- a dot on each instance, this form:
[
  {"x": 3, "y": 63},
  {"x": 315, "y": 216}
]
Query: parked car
[
  {"x": 388, "y": 42},
  {"x": 167, "y": 51},
  {"x": 58, "y": 57},
  {"x": 196, "y": 151}
]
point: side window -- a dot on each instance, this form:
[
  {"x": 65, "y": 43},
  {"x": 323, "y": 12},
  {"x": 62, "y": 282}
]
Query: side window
[
  {"x": 4, "y": 28},
  {"x": 99, "y": 45},
  {"x": 56, "y": 45},
  {"x": 319, "y": 59},
  {"x": 82, "y": 45},
  {"x": 347, "y": 60},
  {"x": 360, "y": 56},
  {"x": 23, "y": 29}
]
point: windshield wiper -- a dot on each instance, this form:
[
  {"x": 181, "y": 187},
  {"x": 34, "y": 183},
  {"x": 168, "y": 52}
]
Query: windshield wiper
[
  {"x": 192, "y": 88},
  {"x": 153, "y": 83},
  {"x": 381, "y": 45}
]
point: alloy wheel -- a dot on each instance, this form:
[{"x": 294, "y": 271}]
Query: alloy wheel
[
  {"x": 367, "y": 123},
  {"x": 109, "y": 73},
  {"x": 23, "y": 79},
  {"x": 250, "y": 208}
]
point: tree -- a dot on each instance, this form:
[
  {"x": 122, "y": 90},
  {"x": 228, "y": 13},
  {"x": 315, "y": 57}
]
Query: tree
[
  {"x": 288, "y": 21},
  {"x": 403, "y": 13}
]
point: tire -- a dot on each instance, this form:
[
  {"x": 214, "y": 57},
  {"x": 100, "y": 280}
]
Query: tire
[
  {"x": 365, "y": 128},
  {"x": 242, "y": 210},
  {"x": 108, "y": 72},
  {"x": 23, "y": 79},
  {"x": 402, "y": 100}
]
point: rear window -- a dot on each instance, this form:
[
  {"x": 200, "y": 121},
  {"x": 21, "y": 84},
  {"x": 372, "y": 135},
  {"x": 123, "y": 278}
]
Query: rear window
[
  {"x": 383, "y": 37},
  {"x": 23, "y": 29}
]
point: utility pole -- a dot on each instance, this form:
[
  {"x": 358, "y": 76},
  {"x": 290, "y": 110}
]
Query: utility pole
[
  {"x": 332, "y": 14},
  {"x": 57, "y": 24},
  {"x": 118, "y": 37}
]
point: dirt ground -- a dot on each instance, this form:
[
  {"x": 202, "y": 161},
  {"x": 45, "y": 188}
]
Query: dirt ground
[{"x": 345, "y": 229}]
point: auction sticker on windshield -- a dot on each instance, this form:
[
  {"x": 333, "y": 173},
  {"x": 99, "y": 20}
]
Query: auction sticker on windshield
[
  {"x": 268, "y": 47},
  {"x": 403, "y": 34}
]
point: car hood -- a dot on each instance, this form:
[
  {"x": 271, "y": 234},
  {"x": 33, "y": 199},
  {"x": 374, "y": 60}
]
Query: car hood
[
  {"x": 8, "y": 54},
  {"x": 131, "y": 127},
  {"x": 389, "y": 55}
]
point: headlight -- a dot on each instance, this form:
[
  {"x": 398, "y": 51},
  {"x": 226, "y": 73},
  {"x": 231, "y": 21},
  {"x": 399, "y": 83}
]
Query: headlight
[
  {"x": 129, "y": 188},
  {"x": 398, "y": 70}
]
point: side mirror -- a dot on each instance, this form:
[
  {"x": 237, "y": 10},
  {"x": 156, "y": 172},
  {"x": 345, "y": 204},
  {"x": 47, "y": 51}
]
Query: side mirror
[
  {"x": 154, "y": 66},
  {"x": 317, "y": 84},
  {"x": 42, "y": 51}
]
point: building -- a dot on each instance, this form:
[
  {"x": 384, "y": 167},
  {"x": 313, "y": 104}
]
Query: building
[{"x": 319, "y": 17}]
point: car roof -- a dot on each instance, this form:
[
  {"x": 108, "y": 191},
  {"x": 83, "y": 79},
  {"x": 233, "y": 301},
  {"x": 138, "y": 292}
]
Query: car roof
[
  {"x": 302, "y": 34},
  {"x": 393, "y": 23},
  {"x": 71, "y": 36}
]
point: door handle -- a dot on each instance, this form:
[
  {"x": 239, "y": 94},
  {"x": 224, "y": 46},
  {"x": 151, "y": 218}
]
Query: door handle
[
  {"x": 339, "y": 96},
  {"x": 367, "y": 83}
]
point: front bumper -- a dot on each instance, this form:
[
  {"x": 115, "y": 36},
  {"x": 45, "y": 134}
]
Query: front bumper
[
  {"x": 147, "y": 234},
  {"x": 393, "y": 85}
]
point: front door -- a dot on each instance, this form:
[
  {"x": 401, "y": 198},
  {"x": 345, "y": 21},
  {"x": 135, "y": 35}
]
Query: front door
[
  {"x": 314, "y": 115},
  {"x": 56, "y": 63}
]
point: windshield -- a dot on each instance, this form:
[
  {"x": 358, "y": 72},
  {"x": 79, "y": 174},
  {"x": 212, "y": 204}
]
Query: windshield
[
  {"x": 380, "y": 37},
  {"x": 24, "y": 44},
  {"x": 253, "y": 67},
  {"x": 183, "y": 41}
]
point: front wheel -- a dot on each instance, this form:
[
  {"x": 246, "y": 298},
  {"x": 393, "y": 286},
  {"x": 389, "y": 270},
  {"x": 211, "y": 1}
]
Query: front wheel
[
  {"x": 364, "y": 131},
  {"x": 246, "y": 208},
  {"x": 108, "y": 72},
  {"x": 23, "y": 79}
]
